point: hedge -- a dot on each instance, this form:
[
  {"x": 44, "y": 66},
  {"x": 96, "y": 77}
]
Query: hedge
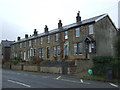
[{"x": 101, "y": 63}]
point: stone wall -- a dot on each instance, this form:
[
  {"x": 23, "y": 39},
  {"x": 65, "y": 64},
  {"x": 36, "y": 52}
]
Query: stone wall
[
  {"x": 6, "y": 66},
  {"x": 51, "y": 69},
  {"x": 31, "y": 68},
  {"x": 16, "y": 67},
  {"x": 45, "y": 69},
  {"x": 83, "y": 65}
]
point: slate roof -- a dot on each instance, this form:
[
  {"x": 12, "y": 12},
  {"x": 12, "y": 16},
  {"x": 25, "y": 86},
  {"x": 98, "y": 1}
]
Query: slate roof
[
  {"x": 90, "y": 20},
  {"x": 6, "y": 43}
]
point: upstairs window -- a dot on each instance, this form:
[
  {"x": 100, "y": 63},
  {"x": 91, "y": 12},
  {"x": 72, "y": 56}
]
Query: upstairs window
[
  {"x": 34, "y": 41},
  {"x": 77, "y": 32},
  {"x": 56, "y": 37},
  {"x": 29, "y": 43},
  {"x": 24, "y": 44},
  {"x": 91, "y": 29},
  {"x": 20, "y": 45},
  {"x": 41, "y": 40},
  {"x": 48, "y": 39},
  {"x": 66, "y": 34}
]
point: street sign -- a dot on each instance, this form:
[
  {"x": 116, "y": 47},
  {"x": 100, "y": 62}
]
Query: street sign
[{"x": 90, "y": 72}]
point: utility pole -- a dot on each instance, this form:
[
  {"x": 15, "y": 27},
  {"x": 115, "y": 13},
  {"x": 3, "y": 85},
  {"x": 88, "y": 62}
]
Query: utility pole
[{"x": 119, "y": 14}]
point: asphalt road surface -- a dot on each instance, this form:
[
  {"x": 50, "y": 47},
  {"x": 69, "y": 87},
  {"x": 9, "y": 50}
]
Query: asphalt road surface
[{"x": 22, "y": 79}]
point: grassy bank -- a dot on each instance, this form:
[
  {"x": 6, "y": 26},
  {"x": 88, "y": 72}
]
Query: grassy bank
[{"x": 86, "y": 76}]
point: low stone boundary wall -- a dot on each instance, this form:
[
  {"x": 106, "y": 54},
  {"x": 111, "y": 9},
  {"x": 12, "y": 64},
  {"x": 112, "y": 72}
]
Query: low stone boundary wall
[
  {"x": 16, "y": 67},
  {"x": 71, "y": 70},
  {"x": 57, "y": 70},
  {"x": 83, "y": 65},
  {"x": 31, "y": 68},
  {"x": 45, "y": 69},
  {"x": 6, "y": 66}
]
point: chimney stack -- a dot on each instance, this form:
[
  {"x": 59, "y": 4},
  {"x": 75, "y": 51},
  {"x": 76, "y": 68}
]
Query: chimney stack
[
  {"x": 18, "y": 38},
  {"x": 26, "y": 35},
  {"x": 59, "y": 24},
  {"x": 78, "y": 18},
  {"x": 35, "y": 31},
  {"x": 46, "y": 29}
]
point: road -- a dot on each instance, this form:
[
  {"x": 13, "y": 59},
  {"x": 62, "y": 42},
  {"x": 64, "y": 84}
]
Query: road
[{"x": 22, "y": 79}]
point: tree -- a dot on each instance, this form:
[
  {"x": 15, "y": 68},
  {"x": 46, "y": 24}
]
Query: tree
[{"x": 117, "y": 46}]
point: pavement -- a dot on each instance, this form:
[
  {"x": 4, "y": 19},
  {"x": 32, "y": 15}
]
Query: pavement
[{"x": 23, "y": 79}]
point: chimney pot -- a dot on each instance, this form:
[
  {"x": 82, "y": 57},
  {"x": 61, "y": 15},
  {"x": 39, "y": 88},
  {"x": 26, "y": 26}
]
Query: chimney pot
[
  {"x": 59, "y": 24},
  {"x": 26, "y": 35},
  {"x": 35, "y": 31},
  {"x": 78, "y": 18},
  {"x": 46, "y": 29},
  {"x": 18, "y": 38}
]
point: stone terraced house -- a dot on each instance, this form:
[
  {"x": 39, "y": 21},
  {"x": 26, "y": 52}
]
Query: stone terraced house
[{"x": 74, "y": 42}]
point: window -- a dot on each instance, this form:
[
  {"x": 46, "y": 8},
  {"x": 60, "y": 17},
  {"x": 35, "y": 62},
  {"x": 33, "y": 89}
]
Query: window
[
  {"x": 34, "y": 42},
  {"x": 28, "y": 52},
  {"x": 91, "y": 48},
  {"x": 48, "y": 39},
  {"x": 31, "y": 51},
  {"x": 77, "y": 48},
  {"x": 24, "y": 44},
  {"x": 24, "y": 55},
  {"x": 90, "y": 29},
  {"x": 41, "y": 52},
  {"x": 55, "y": 51},
  {"x": 29, "y": 43},
  {"x": 20, "y": 54},
  {"x": 20, "y": 45},
  {"x": 65, "y": 50},
  {"x": 34, "y": 52},
  {"x": 66, "y": 34},
  {"x": 48, "y": 52},
  {"x": 77, "y": 32},
  {"x": 56, "y": 37},
  {"x": 41, "y": 40},
  {"x": 58, "y": 50}
]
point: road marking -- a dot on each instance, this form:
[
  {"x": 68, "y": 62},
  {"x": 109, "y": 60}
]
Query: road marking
[
  {"x": 113, "y": 85},
  {"x": 18, "y": 73},
  {"x": 58, "y": 77},
  {"x": 25, "y": 74},
  {"x": 45, "y": 76},
  {"x": 74, "y": 81},
  {"x": 81, "y": 80},
  {"x": 19, "y": 83}
]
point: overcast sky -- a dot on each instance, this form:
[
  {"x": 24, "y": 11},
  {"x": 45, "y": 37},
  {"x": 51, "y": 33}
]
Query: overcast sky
[{"x": 20, "y": 17}]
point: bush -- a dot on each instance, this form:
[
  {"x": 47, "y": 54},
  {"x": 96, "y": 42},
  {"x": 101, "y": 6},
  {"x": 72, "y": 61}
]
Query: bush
[
  {"x": 116, "y": 68},
  {"x": 100, "y": 64}
]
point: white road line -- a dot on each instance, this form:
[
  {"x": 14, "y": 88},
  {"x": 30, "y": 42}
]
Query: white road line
[
  {"x": 45, "y": 76},
  {"x": 74, "y": 81},
  {"x": 113, "y": 85},
  {"x": 18, "y": 73},
  {"x": 19, "y": 83},
  {"x": 81, "y": 80},
  {"x": 58, "y": 77}
]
